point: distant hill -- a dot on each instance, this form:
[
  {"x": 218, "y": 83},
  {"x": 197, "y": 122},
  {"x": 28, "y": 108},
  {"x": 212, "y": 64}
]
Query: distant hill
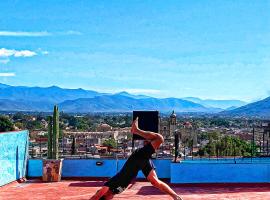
[
  {"x": 22, "y": 105},
  {"x": 231, "y": 108},
  {"x": 223, "y": 104},
  {"x": 3, "y": 85},
  {"x": 119, "y": 103},
  {"x": 257, "y": 109},
  {"x": 49, "y": 94},
  {"x": 20, "y": 98},
  {"x": 132, "y": 95}
]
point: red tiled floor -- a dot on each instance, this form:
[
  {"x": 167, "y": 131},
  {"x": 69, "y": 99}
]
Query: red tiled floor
[{"x": 82, "y": 190}]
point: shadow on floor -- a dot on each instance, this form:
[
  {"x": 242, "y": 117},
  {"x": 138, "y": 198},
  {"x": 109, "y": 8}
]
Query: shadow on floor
[
  {"x": 87, "y": 184},
  {"x": 149, "y": 190},
  {"x": 220, "y": 189}
]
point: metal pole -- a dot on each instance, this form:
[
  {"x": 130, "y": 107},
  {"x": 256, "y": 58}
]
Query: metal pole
[
  {"x": 253, "y": 141},
  {"x": 260, "y": 147},
  {"x": 32, "y": 149},
  {"x": 62, "y": 144},
  {"x": 117, "y": 145},
  {"x": 267, "y": 150},
  {"x": 263, "y": 144},
  {"x": 234, "y": 152},
  {"x": 162, "y": 147},
  {"x": 184, "y": 152},
  {"x": 39, "y": 146},
  {"x": 192, "y": 149},
  {"x": 176, "y": 146},
  {"x": 217, "y": 152}
]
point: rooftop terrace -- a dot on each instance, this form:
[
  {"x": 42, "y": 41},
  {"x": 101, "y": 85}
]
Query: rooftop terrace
[
  {"x": 82, "y": 190},
  {"x": 241, "y": 179}
]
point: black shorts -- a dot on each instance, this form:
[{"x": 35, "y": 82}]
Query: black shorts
[
  {"x": 144, "y": 152},
  {"x": 144, "y": 155},
  {"x": 146, "y": 166},
  {"x": 139, "y": 160}
]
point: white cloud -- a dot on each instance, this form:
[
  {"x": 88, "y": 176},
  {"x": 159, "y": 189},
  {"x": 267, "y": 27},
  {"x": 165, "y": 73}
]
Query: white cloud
[
  {"x": 71, "y": 33},
  {"x": 131, "y": 91},
  {"x": 16, "y": 53},
  {"x": 24, "y": 53},
  {"x": 24, "y": 34},
  {"x": 142, "y": 91},
  {"x": 7, "y": 74},
  {"x": 6, "y": 52},
  {"x": 44, "y": 52},
  {"x": 37, "y": 34}
]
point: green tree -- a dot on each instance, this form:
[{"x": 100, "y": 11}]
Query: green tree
[
  {"x": 6, "y": 124},
  {"x": 80, "y": 123},
  {"x": 219, "y": 122},
  {"x": 229, "y": 146},
  {"x": 34, "y": 125},
  {"x": 19, "y": 125},
  {"x": 111, "y": 142}
]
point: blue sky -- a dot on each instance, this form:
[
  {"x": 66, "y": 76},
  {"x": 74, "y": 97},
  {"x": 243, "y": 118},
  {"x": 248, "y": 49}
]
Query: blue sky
[{"x": 208, "y": 49}]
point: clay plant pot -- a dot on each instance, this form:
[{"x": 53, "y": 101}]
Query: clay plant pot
[{"x": 52, "y": 170}]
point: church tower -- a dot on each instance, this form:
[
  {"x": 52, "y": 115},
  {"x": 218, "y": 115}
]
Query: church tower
[{"x": 172, "y": 123}]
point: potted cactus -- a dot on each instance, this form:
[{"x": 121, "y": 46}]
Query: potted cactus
[{"x": 52, "y": 166}]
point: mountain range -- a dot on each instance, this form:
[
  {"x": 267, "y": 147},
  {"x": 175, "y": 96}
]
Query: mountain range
[
  {"x": 259, "y": 109},
  {"x": 51, "y": 94},
  {"x": 119, "y": 103},
  {"x": 223, "y": 104},
  {"x": 21, "y": 98},
  {"x": 42, "y": 99}
]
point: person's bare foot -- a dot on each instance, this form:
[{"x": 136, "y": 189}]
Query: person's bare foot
[
  {"x": 134, "y": 126},
  {"x": 177, "y": 198}
]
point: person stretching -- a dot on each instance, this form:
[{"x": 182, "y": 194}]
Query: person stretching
[{"x": 140, "y": 159}]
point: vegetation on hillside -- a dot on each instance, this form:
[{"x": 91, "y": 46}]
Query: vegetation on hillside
[
  {"x": 226, "y": 145},
  {"x": 6, "y": 124}
]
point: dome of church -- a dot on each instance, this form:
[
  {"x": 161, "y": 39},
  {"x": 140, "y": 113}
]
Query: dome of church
[{"x": 173, "y": 114}]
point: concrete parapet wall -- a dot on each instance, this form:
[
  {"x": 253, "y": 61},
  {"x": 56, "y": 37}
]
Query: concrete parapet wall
[
  {"x": 177, "y": 172},
  {"x": 13, "y": 156},
  {"x": 220, "y": 173}
]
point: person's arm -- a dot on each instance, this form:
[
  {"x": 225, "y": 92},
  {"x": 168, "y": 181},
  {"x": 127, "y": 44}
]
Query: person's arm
[
  {"x": 100, "y": 193},
  {"x": 155, "y": 138}
]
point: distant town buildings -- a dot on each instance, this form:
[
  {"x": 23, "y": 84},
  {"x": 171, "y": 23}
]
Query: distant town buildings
[
  {"x": 167, "y": 127},
  {"x": 266, "y": 138},
  {"x": 104, "y": 128},
  {"x": 188, "y": 134},
  {"x": 192, "y": 137}
]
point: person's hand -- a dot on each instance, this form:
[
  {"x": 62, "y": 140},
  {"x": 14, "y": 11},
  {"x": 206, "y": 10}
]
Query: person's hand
[{"x": 134, "y": 126}]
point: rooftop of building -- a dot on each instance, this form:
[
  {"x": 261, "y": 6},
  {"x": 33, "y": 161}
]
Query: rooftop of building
[{"x": 83, "y": 189}]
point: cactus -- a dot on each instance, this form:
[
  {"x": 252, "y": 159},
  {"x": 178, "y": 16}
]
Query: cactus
[
  {"x": 55, "y": 132},
  {"x": 53, "y": 135}
]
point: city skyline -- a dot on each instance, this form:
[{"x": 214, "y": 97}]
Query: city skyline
[{"x": 210, "y": 50}]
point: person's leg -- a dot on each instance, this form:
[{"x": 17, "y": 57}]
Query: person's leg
[
  {"x": 104, "y": 193},
  {"x": 108, "y": 196},
  {"x": 155, "y": 138},
  {"x": 152, "y": 177}
]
